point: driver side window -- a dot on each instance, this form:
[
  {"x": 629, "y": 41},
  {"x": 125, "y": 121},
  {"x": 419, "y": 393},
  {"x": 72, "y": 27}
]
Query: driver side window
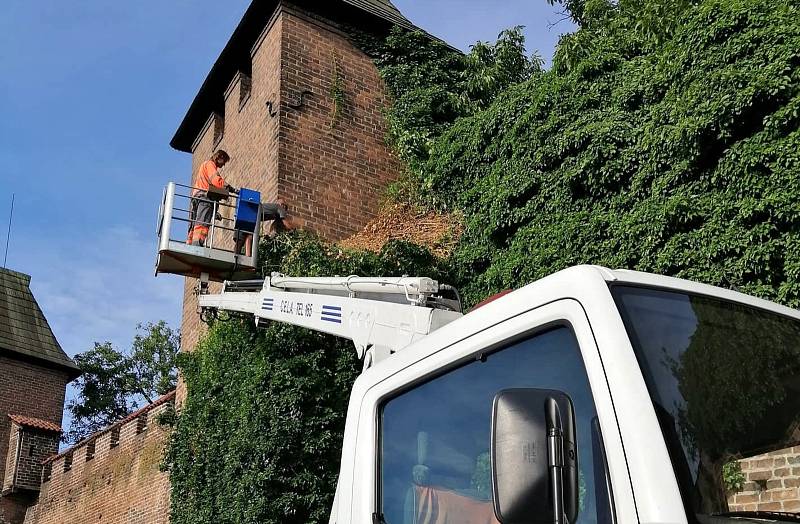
[{"x": 435, "y": 438}]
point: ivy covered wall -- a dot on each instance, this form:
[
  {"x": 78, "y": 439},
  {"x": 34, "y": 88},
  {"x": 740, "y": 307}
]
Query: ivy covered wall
[
  {"x": 664, "y": 138},
  {"x": 259, "y": 436}
]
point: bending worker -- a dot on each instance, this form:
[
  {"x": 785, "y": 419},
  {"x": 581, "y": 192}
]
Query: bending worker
[
  {"x": 201, "y": 212},
  {"x": 281, "y": 221}
]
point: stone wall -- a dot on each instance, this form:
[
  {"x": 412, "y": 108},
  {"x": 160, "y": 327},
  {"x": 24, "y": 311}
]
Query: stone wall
[
  {"x": 113, "y": 477},
  {"x": 772, "y": 482}
]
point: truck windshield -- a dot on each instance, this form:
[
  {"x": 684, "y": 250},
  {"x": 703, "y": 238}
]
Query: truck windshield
[{"x": 725, "y": 383}]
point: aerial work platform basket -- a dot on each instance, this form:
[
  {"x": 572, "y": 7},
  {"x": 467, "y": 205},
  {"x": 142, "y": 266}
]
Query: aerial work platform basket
[{"x": 232, "y": 234}]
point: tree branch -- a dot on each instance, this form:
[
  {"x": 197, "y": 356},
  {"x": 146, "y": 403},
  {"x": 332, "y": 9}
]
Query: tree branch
[{"x": 564, "y": 17}]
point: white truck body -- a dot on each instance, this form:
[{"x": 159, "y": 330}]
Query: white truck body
[{"x": 639, "y": 473}]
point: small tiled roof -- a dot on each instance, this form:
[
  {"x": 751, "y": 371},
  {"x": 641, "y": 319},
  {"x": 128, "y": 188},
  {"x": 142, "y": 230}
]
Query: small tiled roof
[
  {"x": 24, "y": 331},
  {"x": 37, "y": 423}
]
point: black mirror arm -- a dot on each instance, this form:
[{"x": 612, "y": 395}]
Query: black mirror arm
[{"x": 555, "y": 459}]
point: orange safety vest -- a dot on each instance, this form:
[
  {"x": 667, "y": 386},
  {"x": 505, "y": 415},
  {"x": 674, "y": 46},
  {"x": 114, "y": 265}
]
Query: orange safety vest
[
  {"x": 433, "y": 505},
  {"x": 207, "y": 176}
]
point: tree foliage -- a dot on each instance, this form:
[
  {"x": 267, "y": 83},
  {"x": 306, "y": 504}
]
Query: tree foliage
[
  {"x": 432, "y": 85},
  {"x": 114, "y": 383}
]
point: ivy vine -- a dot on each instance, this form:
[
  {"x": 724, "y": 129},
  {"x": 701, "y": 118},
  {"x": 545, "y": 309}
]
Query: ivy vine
[{"x": 337, "y": 92}]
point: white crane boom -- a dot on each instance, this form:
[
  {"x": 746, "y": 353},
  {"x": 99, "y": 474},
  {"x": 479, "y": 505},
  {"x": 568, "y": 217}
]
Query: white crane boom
[{"x": 381, "y": 315}]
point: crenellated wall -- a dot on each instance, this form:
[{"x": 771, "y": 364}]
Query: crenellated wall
[{"x": 113, "y": 477}]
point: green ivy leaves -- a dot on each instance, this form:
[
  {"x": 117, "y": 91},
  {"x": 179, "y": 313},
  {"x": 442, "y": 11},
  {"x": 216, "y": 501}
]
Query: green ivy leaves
[
  {"x": 259, "y": 437},
  {"x": 668, "y": 147}
]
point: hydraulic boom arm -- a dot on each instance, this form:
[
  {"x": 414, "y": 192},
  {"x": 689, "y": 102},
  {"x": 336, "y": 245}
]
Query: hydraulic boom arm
[{"x": 380, "y": 315}]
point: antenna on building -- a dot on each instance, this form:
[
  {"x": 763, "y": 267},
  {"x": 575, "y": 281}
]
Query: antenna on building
[{"x": 8, "y": 235}]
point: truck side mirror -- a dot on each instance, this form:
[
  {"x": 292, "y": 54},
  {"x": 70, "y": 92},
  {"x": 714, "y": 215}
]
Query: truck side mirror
[{"x": 534, "y": 457}]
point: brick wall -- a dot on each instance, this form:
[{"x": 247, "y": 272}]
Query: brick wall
[
  {"x": 111, "y": 478},
  {"x": 772, "y": 482},
  {"x": 30, "y": 390},
  {"x": 11, "y": 458},
  {"x": 24, "y": 469},
  {"x": 13, "y": 507},
  {"x": 332, "y": 171},
  {"x": 251, "y": 137}
]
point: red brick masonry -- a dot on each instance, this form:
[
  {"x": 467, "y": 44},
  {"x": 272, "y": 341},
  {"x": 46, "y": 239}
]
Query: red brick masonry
[
  {"x": 332, "y": 166},
  {"x": 112, "y": 477},
  {"x": 38, "y": 393},
  {"x": 772, "y": 482}
]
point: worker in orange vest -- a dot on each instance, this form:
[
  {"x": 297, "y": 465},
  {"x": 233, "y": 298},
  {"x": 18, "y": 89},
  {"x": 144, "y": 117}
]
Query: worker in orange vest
[{"x": 201, "y": 212}]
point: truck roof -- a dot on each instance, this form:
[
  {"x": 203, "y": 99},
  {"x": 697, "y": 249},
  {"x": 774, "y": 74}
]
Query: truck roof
[
  {"x": 587, "y": 284},
  {"x": 638, "y": 278}
]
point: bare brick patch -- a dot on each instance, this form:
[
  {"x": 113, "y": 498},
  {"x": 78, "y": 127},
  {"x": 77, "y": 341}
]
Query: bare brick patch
[{"x": 771, "y": 485}]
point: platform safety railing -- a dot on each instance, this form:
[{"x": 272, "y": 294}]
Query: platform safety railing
[{"x": 176, "y": 207}]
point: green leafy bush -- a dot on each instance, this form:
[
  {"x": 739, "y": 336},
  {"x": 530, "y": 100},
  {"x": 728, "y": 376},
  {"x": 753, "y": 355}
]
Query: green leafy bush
[
  {"x": 259, "y": 437},
  {"x": 670, "y": 148},
  {"x": 432, "y": 85},
  {"x": 733, "y": 476}
]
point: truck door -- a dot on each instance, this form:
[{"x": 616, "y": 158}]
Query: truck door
[{"x": 431, "y": 422}]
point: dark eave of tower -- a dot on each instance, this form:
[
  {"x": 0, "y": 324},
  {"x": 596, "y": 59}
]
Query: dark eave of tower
[
  {"x": 376, "y": 16},
  {"x": 24, "y": 331},
  {"x": 383, "y": 9}
]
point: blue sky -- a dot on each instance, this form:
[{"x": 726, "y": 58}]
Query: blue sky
[{"x": 91, "y": 93}]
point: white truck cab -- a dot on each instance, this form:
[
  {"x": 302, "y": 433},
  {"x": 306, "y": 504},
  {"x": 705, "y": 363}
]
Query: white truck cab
[
  {"x": 589, "y": 396},
  {"x": 670, "y": 380}
]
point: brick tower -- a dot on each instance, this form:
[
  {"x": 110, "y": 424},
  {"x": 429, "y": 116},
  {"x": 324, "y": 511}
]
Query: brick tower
[
  {"x": 34, "y": 372},
  {"x": 300, "y": 109}
]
